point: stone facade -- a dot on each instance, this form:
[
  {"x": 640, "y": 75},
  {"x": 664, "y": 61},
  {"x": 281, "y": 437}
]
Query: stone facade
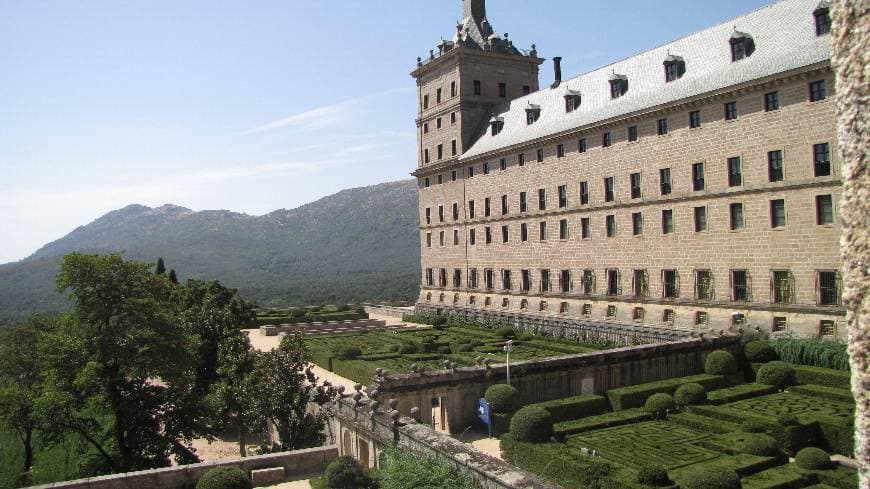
[{"x": 690, "y": 278}]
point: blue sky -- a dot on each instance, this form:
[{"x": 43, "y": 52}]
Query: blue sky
[{"x": 249, "y": 106}]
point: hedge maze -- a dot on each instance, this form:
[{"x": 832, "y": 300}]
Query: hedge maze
[{"x": 776, "y": 405}]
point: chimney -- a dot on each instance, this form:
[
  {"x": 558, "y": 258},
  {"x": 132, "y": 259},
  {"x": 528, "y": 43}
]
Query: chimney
[{"x": 557, "y": 68}]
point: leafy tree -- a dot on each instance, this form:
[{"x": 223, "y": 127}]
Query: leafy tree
[
  {"x": 161, "y": 267},
  {"x": 20, "y": 383},
  {"x": 120, "y": 369},
  {"x": 235, "y": 393},
  {"x": 173, "y": 277}
]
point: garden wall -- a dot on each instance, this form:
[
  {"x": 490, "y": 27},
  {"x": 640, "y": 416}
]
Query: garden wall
[
  {"x": 391, "y": 311},
  {"x": 274, "y": 330}
]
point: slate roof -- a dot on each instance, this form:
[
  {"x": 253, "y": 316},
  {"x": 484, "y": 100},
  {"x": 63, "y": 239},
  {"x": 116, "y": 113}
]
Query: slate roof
[{"x": 784, "y": 36}]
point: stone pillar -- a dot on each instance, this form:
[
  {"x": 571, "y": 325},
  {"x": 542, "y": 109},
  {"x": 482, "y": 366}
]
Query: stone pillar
[{"x": 851, "y": 60}]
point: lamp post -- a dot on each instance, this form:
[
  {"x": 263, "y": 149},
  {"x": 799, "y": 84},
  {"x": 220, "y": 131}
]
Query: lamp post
[{"x": 508, "y": 348}]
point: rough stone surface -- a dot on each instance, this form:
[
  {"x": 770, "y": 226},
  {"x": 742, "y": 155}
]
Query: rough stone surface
[
  {"x": 851, "y": 58},
  {"x": 263, "y": 477}
]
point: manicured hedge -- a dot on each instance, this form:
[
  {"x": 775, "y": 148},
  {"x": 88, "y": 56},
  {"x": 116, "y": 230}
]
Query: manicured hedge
[
  {"x": 812, "y": 458},
  {"x": 532, "y": 424},
  {"x": 822, "y": 376},
  {"x": 601, "y": 421},
  {"x": 557, "y": 462},
  {"x": 636, "y": 395},
  {"x": 778, "y": 374},
  {"x": 759, "y": 352},
  {"x": 224, "y": 478},
  {"x": 502, "y": 398},
  {"x": 738, "y": 393},
  {"x": 824, "y": 392},
  {"x": 720, "y": 362},
  {"x": 704, "y": 423},
  {"x": 690, "y": 394},
  {"x": 713, "y": 477},
  {"x": 659, "y": 404},
  {"x": 838, "y": 433},
  {"x": 308, "y": 318},
  {"x": 574, "y": 407}
]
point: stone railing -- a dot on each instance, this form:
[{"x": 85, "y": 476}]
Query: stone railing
[
  {"x": 391, "y": 311},
  {"x": 265, "y": 470},
  {"x": 274, "y": 330}
]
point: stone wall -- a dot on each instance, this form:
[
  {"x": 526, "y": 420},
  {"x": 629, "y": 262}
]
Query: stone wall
[
  {"x": 315, "y": 327},
  {"x": 391, "y": 311},
  {"x": 295, "y": 464},
  {"x": 448, "y": 399}
]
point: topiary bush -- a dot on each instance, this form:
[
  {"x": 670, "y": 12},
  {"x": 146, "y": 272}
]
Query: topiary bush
[
  {"x": 444, "y": 350},
  {"x": 779, "y": 374},
  {"x": 720, "y": 362},
  {"x": 753, "y": 426},
  {"x": 506, "y": 332},
  {"x": 653, "y": 475},
  {"x": 224, "y": 478},
  {"x": 759, "y": 444},
  {"x": 349, "y": 352},
  {"x": 408, "y": 349},
  {"x": 759, "y": 352},
  {"x": 502, "y": 398},
  {"x": 346, "y": 473},
  {"x": 525, "y": 337},
  {"x": 659, "y": 404},
  {"x": 690, "y": 395},
  {"x": 532, "y": 424},
  {"x": 812, "y": 458},
  {"x": 711, "y": 477},
  {"x": 464, "y": 348}
]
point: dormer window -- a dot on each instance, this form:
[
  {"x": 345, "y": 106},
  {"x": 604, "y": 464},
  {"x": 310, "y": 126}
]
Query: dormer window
[
  {"x": 675, "y": 67},
  {"x": 742, "y": 46},
  {"x": 496, "y": 124},
  {"x": 822, "y": 14},
  {"x": 533, "y": 113},
  {"x": 572, "y": 101},
  {"x": 618, "y": 85}
]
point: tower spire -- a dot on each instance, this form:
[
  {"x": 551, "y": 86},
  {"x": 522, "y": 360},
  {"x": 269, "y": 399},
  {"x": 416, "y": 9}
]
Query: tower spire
[{"x": 475, "y": 9}]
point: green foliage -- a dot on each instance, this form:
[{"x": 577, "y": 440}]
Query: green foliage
[
  {"x": 161, "y": 267},
  {"x": 816, "y": 352},
  {"x": 738, "y": 392},
  {"x": 653, "y": 475},
  {"x": 502, "y": 398},
  {"x": 636, "y": 395},
  {"x": 759, "y": 351},
  {"x": 659, "y": 404},
  {"x": 779, "y": 374},
  {"x": 532, "y": 424},
  {"x": 690, "y": 394},
  {"x": 224, "y": 478},
  {"x": 753, "y": 426},
  {"x": 824, "y": 392},
  {"x": 402, "y": 470},
  {"x": 173, "y": 277},
  {"x": 346, "y": 473},
  {"x": 812, "y": 458},
  {"x": 606, "y": 420},
  {"x": 710, "y": 477},
  {"x": 349, "y": 352},
  {"x": 444, "y": 350},
  {"x": 506, "y": 332},
  {"x": 571, "y": 408},
  {"x": 822, "y": 376},
  {"x": 559, "y": 462},
  {"x": 759, "y": 444},
  {"x": 720, "y": 362},
  {"x": 408, "y": 348}
]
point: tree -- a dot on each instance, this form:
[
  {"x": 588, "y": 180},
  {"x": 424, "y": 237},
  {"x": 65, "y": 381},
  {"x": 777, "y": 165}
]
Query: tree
[
  {"x": 173, "y": 277},
  {"x": 234, "y": 394},
  {"x": 120, "y": 369},
  {"x": 20, "y": 383},
  {"x": 161, "y": 267}
]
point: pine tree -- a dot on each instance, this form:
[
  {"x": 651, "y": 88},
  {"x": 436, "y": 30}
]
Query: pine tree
[
  {"x": 173, "y": 277},
  {"x": 161, "y": 267}
]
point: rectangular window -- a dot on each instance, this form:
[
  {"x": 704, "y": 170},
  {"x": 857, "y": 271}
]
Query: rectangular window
[
  {"x": 610, "y": 223},
  {"x": 640, "y": 283},
  {"x": 504, "y": 205},
  {"x": 442, "y": 277},
  {"x": 505, "y": 234},
  {"x": 777, "y": 213},
  {"x": 486, "y": 208},
  {"x": 527, "y": 89},
  {"x": 438, "y": 96},
  {"x": 635, "y": 186},
  {"x": 542, "y": 199},
  {"x": 667, "y": 221},
  {"x": 455, "y": 237},
  {"x": 730, "y": 111},
  {"x": 502, "y": 164},
  {"x": 545, "y": 280},
  {"x": 735, "y": 211},
  {"x": 470, "y": 172},
  {"x": 453, "y": 89},
  {"x": 472, "y": 278},
  {"x": 440, "y": 179},
  {"x": 489, "y": 279},
  {"x": 426, "y": 155},
  {"x": 478, "y": 89},
  {"x": 695, "y": 119},
  {"x": 780, "y": 323},
  {"x": 584, "y": 193},
  {"x": 775, "y": 171},
  {"x": 457, "y": 278},
  {"x": 821, "y": 160},
  {"x": 662, "y": 127},
  {"x": 426, "y": 101},
  {"x": 771, "y": 101},
  {"x": 818, "y": 91},
  {"x": 739, "y": 285},
  {"x": 541, "y": 155},
  {"x": 455, "y": 211},
  {"x": 670, "y": 284},
  {"x": 665, "y": 181},
  {"x": 426, "y": 128},
  {"x": 563, "y": 229},
  {"x": 453, "y": 118},
  {"x": 563, "y": 196},
  {"x": 453, "y": 176},
  {"x": 632, "y": 134},
  {"x": 486, "y": 168},
  {"x": 428, "y": 215},
  {"x": 588, "y": 282},
  {"x": 608, "y": 189},
  {"x": 438, "y": 123},
  {"x": 783, "y": 287},
  {"x": 606, "y": 140},
  {"x": 584, "y": 228},
  {"x": 521, "y": 159},
  {"x": 430, "y": 277},
  {"x": 440, "y": 151},
  {"x": 823, "y": 21},
  {"x": 506, "y": 279},
  {"x": 829, "y": 288},
  {"x": 824, "y": 209},
  {"x": 526, "y": 283},
  {"x": 453, "y": 148},
  {"x": 440, "y": 213},
  {"x": 524, "y": 232},
  {"x": 487, "y": 231},
  {"x": 471, "y": 237},
  {"x": 428, "y": 240},
  {"x": 613, "y": 282},
  {"x": 543, "y": 230},
  {"x": 471, "y": 209},
  {"x": 700, "y": 219},
  {"x": 703, "y": 285},
  {"x": 523, "y": 202},
  {"x": 581, "y": 146},
  {"x": 560, "y": 151},
  {"x": 637, "y": 223},
  {"x": 502, "y": 90},
  {"x": 698, "y": 177},
  {"x": 735, "y": 172},
  {"x": 441, "y": 238}
]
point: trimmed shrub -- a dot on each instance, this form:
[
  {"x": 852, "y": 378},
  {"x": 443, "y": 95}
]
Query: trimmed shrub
[
  {"x": 224, "y": 478},
  {"x": 753, "y": 426},
  {"x": 788, "y": 419},
  {"x": 607, "y": 420},
  {"x": 823, "y": 376},
  {"x": 444, "y": 350},
  {"x": 759, "y": 352},
  {"x": 652, "y": 475},
  {"x": 659, "y": 404},
  {"x": 690, "y": 394},
  {"x": 532, "y": 424},
  {"x": 812, "y": 458},
  {"x": 349, "y": 352},
  {"x": 711, "y": 477},
  {"x": 720, "y": 362},
  {"x": 557, "y": 462},
  {"x": 825, "y": 392},
  {"x": 525, "y": 337},
  {"x": 574, "y": 407},
  {"x": 506, "y": 332},
  {"x": 634, "y": 396},
  {"x": 408, "y": 348},
  {"x": 464, "y": 348},
  {"x": 502, "y": 398},
  {"x": 779, "y": 374},
  {"x": 346, "y": 473},
  {"x": 396, "y": 348},
  {"x": 760, "y": 444}
]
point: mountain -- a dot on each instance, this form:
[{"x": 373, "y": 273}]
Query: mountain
[{"x": 357, "y": 245}]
